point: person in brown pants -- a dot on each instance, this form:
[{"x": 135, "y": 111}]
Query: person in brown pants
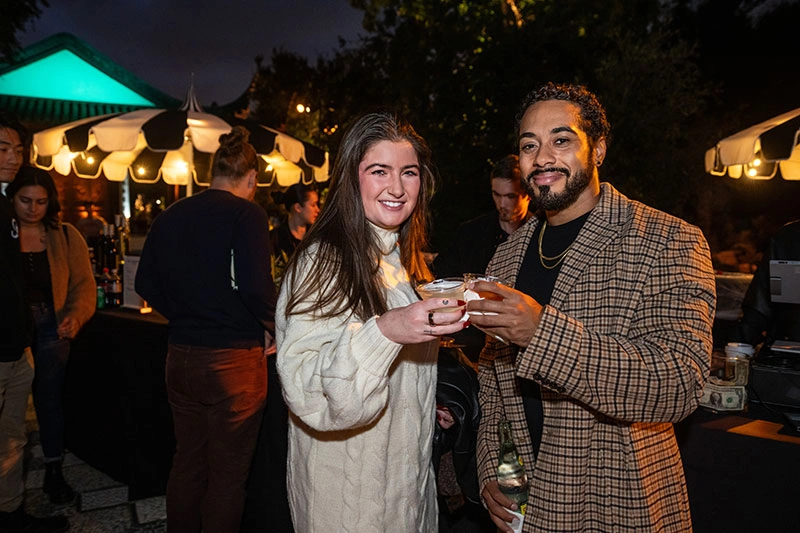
[{"x": 205, "y": 266}]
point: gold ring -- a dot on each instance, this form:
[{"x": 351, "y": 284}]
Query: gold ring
[{"x": 430, "y": 318}]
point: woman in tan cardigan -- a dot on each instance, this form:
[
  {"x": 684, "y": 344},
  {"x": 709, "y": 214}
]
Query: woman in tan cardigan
[{"x": 62, "y": 294}]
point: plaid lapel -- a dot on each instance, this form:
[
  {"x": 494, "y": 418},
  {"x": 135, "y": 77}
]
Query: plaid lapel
[{"x": 599, "y": 230}]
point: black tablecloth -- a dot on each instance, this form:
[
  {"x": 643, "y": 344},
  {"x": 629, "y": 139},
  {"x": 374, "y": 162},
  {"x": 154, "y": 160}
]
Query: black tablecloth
[
  {"x": 740, "y": 483},
  {"x": 117, "y": 415}
]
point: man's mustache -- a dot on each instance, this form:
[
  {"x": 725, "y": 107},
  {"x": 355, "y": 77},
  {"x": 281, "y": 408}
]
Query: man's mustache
[{"x": 533, "y": 173}]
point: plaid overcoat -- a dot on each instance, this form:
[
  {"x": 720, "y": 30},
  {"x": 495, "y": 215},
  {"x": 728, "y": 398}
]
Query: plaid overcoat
[{"x": 622, "y": 351}]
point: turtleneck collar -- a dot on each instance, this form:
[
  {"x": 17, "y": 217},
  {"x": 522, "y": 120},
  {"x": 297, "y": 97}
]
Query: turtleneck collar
[{"x": 387, "y": 239}]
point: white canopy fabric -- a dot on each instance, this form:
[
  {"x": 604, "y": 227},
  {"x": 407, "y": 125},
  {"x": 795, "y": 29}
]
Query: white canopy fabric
[
  {"x": 760, "y": 151},
  {"x": 174, "y": 145}
]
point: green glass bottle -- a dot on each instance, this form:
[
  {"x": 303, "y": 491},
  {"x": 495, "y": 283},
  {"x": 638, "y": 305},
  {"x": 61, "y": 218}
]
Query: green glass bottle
[{"x": 511, "y": 477}]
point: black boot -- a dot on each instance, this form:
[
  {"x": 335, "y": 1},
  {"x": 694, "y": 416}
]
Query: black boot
[
  {"x": 55, "y": 486},
  {"x": 21, "y": 522}
]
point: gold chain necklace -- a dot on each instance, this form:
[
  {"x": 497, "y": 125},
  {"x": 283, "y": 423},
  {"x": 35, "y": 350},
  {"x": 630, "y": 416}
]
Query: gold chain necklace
[{"x": 558, "y": 258}]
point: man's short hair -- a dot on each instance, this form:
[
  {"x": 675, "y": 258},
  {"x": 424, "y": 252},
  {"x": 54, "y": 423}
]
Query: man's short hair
[
  {"x": 507, "y": 169},
  {"x": 593, "y": 115},
  {"x": 9, "y": 121}
]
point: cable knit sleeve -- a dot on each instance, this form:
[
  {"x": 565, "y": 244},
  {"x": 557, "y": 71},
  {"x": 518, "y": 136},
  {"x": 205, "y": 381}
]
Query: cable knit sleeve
[{"x": 334, "y": 372}]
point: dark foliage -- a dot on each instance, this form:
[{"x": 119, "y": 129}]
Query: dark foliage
[
  {"x": 675, "y": 77},
  {"x": 16, "y": 15}
]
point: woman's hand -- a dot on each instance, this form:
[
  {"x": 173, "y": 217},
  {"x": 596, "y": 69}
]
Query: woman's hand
[
  {"x": 68, "y": 328},
  {"x": 418, "y": 322}
]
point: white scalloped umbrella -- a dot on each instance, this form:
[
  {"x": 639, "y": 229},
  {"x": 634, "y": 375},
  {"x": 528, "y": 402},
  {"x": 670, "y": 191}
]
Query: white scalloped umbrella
[
  {"x": 759, "y": 151},
  {"x": 174, "y": 145}
]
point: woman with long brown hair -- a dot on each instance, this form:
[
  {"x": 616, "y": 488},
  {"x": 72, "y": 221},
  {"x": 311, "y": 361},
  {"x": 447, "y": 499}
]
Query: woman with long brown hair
[
  {"x": 357, "y": 349},
  {"x": 62, "y": 295}
]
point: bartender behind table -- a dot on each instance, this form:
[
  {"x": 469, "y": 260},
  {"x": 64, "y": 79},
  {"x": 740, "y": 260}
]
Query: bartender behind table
[{"x": 762, "y": 319}]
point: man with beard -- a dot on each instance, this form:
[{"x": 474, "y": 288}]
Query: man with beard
[{"x": 608, "y": 331}]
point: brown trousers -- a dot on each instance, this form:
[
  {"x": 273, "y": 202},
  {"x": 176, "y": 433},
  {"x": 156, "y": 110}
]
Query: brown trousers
[{"x": 217, "y": 397}]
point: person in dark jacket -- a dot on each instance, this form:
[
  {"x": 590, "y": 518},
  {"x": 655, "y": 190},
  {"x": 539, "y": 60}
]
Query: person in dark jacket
[
  {"x": 301, "y": 203},
  {"x": 455, "y": 437},
  {"x": 16, "y": 358},
  {"x": 474, "y": 242},
  {"x": 205, "y": 267}
]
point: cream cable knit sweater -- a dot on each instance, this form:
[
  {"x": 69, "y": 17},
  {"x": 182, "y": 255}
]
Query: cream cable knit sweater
[{"x": 362, "y": 414}]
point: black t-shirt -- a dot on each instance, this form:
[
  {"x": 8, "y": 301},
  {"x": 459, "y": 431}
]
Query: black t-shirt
[{"x": 538, "y": 282}]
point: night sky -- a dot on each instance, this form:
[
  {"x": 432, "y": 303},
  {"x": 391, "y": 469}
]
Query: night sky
[{"x": 164, "y": 41}]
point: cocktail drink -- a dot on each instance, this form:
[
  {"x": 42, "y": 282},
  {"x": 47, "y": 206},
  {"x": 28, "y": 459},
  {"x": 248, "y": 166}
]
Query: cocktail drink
[
  {"x": 470, "y": 294},
  {"x": 451, "y": 289}
]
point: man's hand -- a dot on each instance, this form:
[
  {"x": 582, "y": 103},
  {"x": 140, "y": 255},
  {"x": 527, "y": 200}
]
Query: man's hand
[
  {"x": 498, "y": 505},
  {"x": 513, "y": 315}
]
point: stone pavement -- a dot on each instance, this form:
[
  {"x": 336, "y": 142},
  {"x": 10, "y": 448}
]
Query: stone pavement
[{"x": 101, "y": 504}]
